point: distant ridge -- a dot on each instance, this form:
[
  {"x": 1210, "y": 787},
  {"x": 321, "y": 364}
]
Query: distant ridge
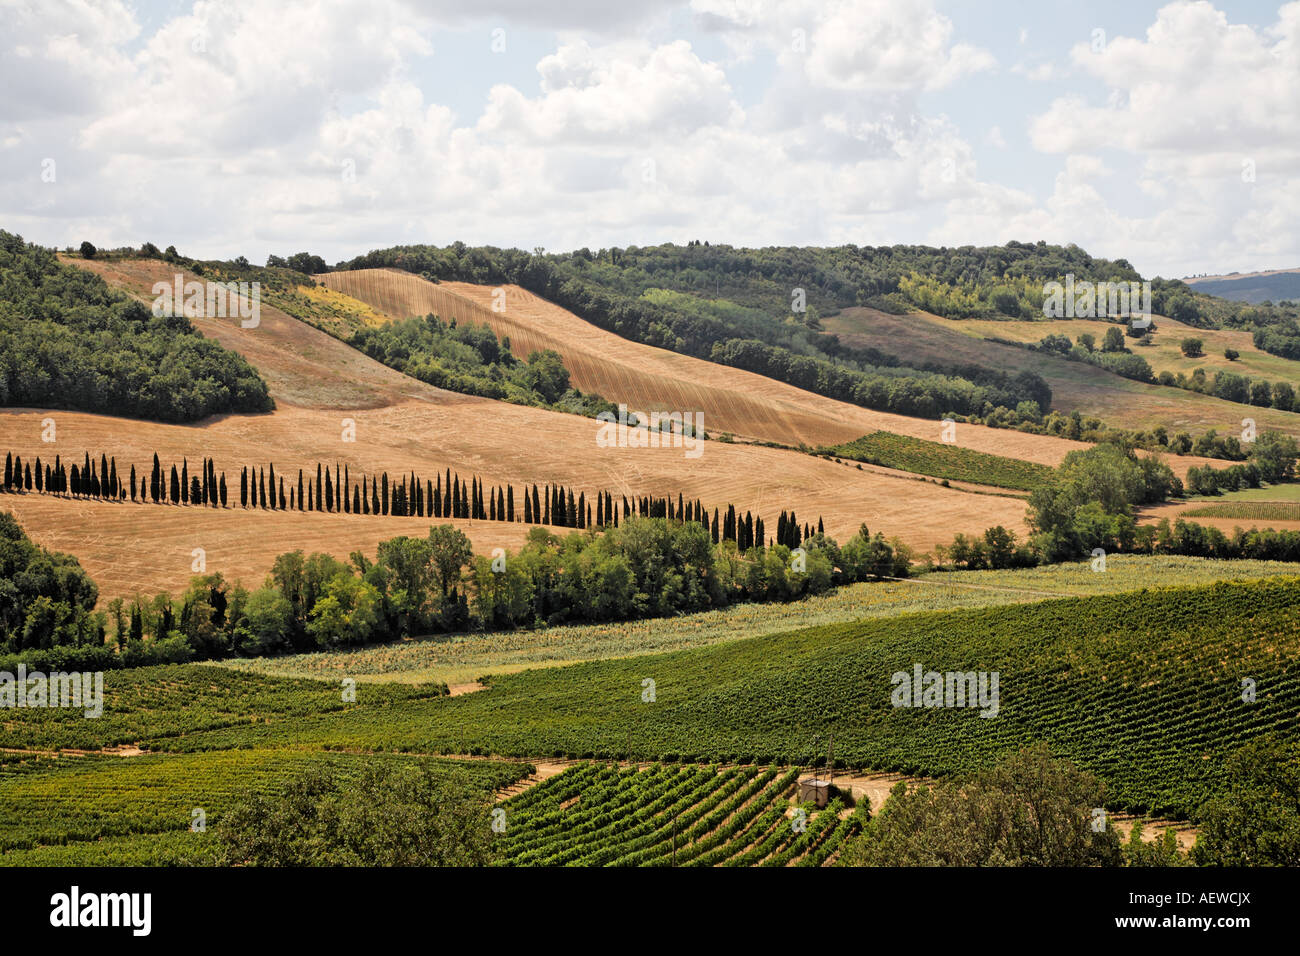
[{"x": 1252, "y": 287}]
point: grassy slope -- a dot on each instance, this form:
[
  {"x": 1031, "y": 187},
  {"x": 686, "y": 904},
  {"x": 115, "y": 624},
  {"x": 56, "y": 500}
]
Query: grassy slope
[
  {"x": 1142, "y": 688},
  {"x": 464, "y": 658},
  {"x": 1077, "y": 386},
  {"x": 942, "y": 461}
]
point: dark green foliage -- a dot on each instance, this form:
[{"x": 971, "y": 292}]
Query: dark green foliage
[
  {"x": 407, "y": 814},
  {"x": 68, "y": 341},
  {"x": 1256, "y": 821},
  {"x": 46, "y": 599},
  {"x": 1027, "y": 810},
  {"x": 1091, "y": 500},
  {"x": 468, "y": 358}
]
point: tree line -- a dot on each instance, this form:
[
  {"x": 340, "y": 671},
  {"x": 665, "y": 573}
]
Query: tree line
[
  {"x": 1092, "y": 499},
  {"x": 335, "y": 491},
  {"x": 646, "y": 567}
]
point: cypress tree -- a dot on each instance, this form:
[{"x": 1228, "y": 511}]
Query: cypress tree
[
  {"x": 510, "y": 502},
  {"x": 155, "y": 480},
  {"x": 329, "y": 493},
  {"x": 318, "y": 487},
  {"x": 9, "y": 470},
  {"x": 196, "y": 490},
  {"x": 132, "y": 482},
  {"x": 243, "y": 487},
  {"x": 356, "y": 500},
  {"x": 273, "y": 501},
  {"x": 185, "y": 476},
  {"x": 528, "y": 509},
  {"x": 537, "y": 511},
  {"x": 301, "y": 505},
  {"x": 175, "y": 488},
  {"x": 261, "y": 488},
  {"x": 383, "y": 497},
  {"x": 223, "y": 489}
]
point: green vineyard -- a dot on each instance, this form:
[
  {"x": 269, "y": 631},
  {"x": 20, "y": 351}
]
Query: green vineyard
[
  {"x": 177, "y": 699},
  {"x": 62, "y": 809},
  {"x": 941, "y": 460},
  {"x": 601, "y": 815},
  {"x": 1145, "y": 689}
]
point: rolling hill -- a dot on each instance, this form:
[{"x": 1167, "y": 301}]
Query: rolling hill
[
  {"x": 1077, "y": 386},
  {"x": 1253, "y": 287},
  {"x": 648, "y": 378},
  {"x": 403, "y": 425}
]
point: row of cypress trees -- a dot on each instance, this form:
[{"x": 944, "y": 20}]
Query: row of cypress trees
[{"x": 333, "y": 490}]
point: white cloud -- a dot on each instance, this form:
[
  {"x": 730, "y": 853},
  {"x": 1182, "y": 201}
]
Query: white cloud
[
  {"x": 242, "y": 127},
  {"x": 1197, "y": 100}
]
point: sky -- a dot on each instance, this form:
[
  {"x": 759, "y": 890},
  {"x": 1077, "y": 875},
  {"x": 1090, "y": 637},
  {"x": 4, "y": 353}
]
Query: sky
[{"x": 1165, "y": 134}]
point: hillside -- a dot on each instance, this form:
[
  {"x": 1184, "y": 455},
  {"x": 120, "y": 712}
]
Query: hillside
[
  {"x": 1253, "y": 287},
  {"x": 404, "y": 425},
  {"x": 1124, "y": 685},
  {"x": 649, "y": 379},
  {"x": 1077, "y": 386}
]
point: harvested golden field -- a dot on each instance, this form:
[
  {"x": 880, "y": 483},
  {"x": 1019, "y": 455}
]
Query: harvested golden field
[
  {"x": 648, "y": 378},
  {"x": 402, "y": 425},
  {"x": 499, "y": 443},
  {"x": 145, "y": 548},
  {"x": 1077, "y": 386}
]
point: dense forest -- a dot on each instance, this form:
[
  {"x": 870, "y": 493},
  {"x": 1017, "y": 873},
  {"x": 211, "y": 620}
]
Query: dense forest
[{"x": 68, "y": 341}]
